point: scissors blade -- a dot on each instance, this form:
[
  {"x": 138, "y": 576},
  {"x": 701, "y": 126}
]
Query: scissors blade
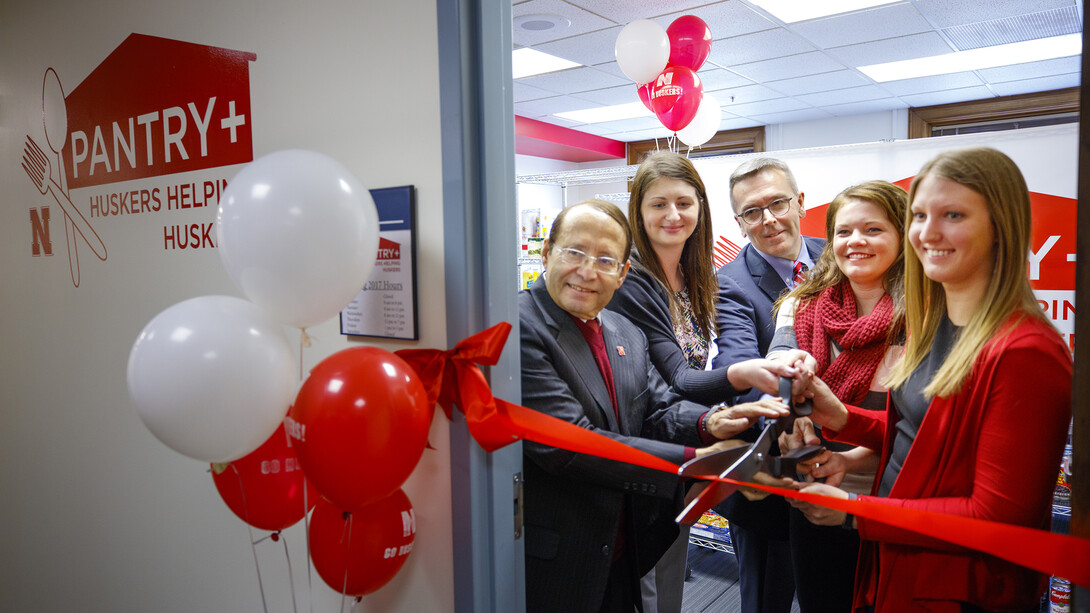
[
  {"x": 714, "y": 463},
  {"x": 746, "y": 463}
]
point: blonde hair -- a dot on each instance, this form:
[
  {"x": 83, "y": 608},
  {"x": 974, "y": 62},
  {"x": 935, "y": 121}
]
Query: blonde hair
[
  {"x": 893, "y": 201},
  {"x": 696, "y": 256},
  {"x": 994, "y": 176}
]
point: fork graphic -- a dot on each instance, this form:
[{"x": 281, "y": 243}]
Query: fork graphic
[{"x": 36, "y": 164}]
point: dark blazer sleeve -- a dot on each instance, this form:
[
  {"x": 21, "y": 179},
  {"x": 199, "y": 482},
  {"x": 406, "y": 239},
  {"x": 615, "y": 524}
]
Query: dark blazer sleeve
[
  {"x": 643, "y": 301},
  {"x": 559, "y": 378},
  {"x": 737, "y": 323}
]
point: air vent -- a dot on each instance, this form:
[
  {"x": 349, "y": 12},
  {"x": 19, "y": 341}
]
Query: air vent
[{"x": 1043, "y": 24}]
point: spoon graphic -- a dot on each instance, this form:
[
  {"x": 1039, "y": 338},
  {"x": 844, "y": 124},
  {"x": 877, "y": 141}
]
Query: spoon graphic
[{"x": 55, "y": 118}]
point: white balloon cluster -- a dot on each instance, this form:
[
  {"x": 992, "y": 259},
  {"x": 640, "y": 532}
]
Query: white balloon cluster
[{"x": 212, "y": 377}]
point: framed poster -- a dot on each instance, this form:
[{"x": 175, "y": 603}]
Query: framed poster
[{"x": 385, "y": 307}]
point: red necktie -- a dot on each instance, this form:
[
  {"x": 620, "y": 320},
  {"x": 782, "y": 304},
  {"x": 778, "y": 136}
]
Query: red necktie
[
  {"x": 592, "y": 332},
  {"x": 800, "y": 273}
]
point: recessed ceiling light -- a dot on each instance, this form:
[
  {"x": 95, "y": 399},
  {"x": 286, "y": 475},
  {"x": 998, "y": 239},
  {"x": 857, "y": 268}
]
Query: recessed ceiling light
[
  {"x": 790, "y": 11},
  {"x": 630, "y": 110},
  {"x": 541, "y": 23},
  {"x": 977, "y": 59},
  {"x": 527, "y": 62}
]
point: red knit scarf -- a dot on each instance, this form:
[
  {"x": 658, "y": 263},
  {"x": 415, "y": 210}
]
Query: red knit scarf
[{"x": 863, "y": 340}]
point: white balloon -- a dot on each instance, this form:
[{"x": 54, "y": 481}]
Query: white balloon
[
  {"x": 298, "y": 234},
  {"x": 642, "y": 50},
  {"x": 704, "y": 124},
  {"x": 212, "y": 377}
]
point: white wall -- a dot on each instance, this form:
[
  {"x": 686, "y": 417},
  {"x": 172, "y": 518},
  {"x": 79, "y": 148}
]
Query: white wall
[{"x": 97, "y": 514}]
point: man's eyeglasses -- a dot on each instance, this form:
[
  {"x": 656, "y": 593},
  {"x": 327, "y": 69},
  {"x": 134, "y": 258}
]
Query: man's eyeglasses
[
  {"x": 778, "y": 208},
  {"x": 603, "y": 264}
]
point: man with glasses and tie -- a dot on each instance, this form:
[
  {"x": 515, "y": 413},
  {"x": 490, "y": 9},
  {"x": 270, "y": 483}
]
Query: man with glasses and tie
[
  {"x": 593, "y": 526},
  {"x": 767, "y": 205}
]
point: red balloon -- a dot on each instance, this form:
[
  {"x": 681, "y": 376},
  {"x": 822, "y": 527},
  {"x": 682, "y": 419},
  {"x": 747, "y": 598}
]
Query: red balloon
[
  {"x": 690, "y": 42},
  {"x": 265, "y": 488},
  {"x": 644, "y": 92},
  {"x": 360, "y": 424},
  {"x": 675, "y": 97},
  {"x": 357, "y": 553}
]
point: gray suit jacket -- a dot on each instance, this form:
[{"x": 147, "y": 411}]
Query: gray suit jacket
[{"x": 573, "y": 502}]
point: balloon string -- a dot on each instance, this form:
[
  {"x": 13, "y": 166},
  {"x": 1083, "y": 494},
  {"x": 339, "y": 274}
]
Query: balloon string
[
  {"x": 253, "y": 543},
  {"x": 260, "y": 584},
  {"x": 347, "y": 556},
  {"x": 306, "y": 532},
  {"x": 291, "y": 578}
]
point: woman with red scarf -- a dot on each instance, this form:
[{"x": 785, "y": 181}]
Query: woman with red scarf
[
  {"x": 978, "y": 405},
  {"x": 847, "y": 314}
]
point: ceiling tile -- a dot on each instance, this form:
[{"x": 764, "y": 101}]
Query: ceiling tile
[
  {"x": 587, "y": 49},
  {"x": 624, "y": 11},
  {"x": 725, "y": 19},
  {"x": 581, "y": 21},
  {"x": 718, "y": 78},
  {"x": 839, "y": 79},
  {"x": 574, "y": 80},
  {"x": 612, "y": 95},
  {"x": 764, "y": 107},
  {"x": 756, "y": 47},
  {"x": 948, "y": 96},
  {"x": 921, "y": 85},
  {"x": 858, "y": 94},
  {"x": 522, "y": 92},
  {"x": 946, "y": 13},
  {"x": 744, "y": 94},
  {"x": 800, "y": 65},
  {"x": 868, "y": 106},
  {"x": 891, "y": 50},
  {"x": 1041, "y": 84},
  {"x": 793, "y": 116},
  {"x": 863, "y": 26},
  {"x": 1032, "y": 70}
]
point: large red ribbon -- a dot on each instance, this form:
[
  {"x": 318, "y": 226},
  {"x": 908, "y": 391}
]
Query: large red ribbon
[{"x": 452, "y": 378}]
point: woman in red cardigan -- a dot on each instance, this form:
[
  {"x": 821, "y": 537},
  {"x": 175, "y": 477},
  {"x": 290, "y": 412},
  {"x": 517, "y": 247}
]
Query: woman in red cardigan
[{"x": 979, "y": 403}]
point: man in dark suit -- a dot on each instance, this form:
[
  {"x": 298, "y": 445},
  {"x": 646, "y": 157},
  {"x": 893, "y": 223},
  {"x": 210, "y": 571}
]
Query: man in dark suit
[
  {"x": 767, "y": 205},
  {"x": 594, "y": 526}
]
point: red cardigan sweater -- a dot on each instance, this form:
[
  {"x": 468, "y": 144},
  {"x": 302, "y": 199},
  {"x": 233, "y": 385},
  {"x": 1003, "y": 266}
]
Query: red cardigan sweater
[{"x": 991, "y": 451}]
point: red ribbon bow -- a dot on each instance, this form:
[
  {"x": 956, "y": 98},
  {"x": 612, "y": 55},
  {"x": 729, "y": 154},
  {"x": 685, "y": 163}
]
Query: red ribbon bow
[{"x": 452, "y": 378}]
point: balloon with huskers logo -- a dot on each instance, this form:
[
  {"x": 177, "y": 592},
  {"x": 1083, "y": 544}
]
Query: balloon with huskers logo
[
  {"x": 266, "y": 488},
  {"x": 298, "y": 234},
  {"x": 358, "y": 552},
  {"x": 360, "y": 424},
  {"x": 212, "y": 377},
  {"x": 675, "y": 97}
]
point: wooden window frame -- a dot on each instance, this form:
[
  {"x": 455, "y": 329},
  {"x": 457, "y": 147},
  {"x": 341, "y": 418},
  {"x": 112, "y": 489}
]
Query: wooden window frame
[
  {"x": 725, "y": 140},
  {"x": 922, "y": 120}
]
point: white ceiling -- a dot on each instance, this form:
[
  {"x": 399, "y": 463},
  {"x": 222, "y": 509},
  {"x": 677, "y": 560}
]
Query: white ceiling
[{"x": 763, "y": 71}]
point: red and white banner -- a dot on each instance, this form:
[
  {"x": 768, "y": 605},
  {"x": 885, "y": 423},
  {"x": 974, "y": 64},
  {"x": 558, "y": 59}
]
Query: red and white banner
[{"x": 1048, "y": 157}]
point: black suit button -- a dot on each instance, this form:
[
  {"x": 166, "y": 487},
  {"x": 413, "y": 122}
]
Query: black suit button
[{"x": 605, "y": 550}]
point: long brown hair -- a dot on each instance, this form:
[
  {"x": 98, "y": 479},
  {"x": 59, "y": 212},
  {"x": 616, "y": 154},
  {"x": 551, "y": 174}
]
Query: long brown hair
[
  {"x": 994, "y": 176},
  {"x": 893, "y": 200},
  {"x": 696, "y": 256}
]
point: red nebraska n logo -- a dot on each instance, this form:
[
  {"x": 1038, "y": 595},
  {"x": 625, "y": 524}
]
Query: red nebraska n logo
[{"x": 39, "y": 232}]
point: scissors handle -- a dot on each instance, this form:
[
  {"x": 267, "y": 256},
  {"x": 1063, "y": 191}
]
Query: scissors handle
[
  {"x": 802, "y": 409},
  {"x": 788, "y": 462}
]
